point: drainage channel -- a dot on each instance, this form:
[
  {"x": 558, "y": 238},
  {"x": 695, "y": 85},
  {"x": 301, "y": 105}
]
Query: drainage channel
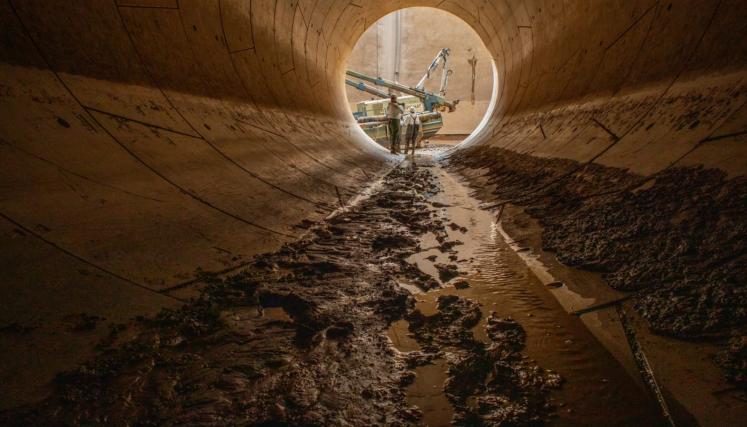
[{"x": 596, "y": 390}]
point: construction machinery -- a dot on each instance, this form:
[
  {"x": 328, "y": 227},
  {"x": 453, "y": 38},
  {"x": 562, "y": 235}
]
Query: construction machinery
[
  {"x": 442, "y": 57},
  {"x": 371, "y": 115}
]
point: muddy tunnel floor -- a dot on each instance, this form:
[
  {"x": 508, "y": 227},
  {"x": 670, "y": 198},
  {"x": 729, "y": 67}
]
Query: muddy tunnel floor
[{"x": 408, "y": 307}]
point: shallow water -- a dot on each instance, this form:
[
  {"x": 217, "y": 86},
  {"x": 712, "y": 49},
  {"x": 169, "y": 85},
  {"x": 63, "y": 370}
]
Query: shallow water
[
  {"x": 276, "y": 313},
  {"x": 596, "y": 391}
]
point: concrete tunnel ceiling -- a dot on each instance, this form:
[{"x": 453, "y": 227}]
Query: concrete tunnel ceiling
[
  {"x": 229, "y": 117},
  {"x": 143, "y": 140}
]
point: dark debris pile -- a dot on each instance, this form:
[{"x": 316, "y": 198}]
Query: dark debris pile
[
  {"x": 678, "y": 239},
  {"x": 490, "y": 384},
  {"x": 298, "y": 338}
]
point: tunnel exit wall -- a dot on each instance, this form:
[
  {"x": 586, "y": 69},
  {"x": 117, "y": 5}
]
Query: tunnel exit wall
[
  {"x": 145, "y": 140},
  {"x": 374, "y": 53}
]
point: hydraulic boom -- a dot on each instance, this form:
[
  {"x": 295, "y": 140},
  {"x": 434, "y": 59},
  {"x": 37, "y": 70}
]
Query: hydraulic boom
[
  {"x": 366, "y": 88},
  {"x": 445, "y": 73},
  {"x": 431, "y": 101}
]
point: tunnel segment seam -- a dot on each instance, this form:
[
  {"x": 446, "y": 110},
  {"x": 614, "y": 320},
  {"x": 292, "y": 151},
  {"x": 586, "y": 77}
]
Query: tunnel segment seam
[
  {"x": 596, "y": 71},
  {"x": 212, "y": 145},
  {"x": 82, "y": 259},
  {"x": 240, "y": 79},
  {"x": 187, "y": 122},
  {"x": 63, "y": 169},
  {"x": 113, "y": 138},
  {"x": 654, "y": 105}
]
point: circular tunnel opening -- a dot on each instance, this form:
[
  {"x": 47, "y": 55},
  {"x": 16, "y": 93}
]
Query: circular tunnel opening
[
  {"x": 435, "y": 63},
  {"x": 185, "y": 198}
]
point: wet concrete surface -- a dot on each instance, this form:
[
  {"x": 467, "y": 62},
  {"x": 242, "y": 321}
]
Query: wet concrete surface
[
  {"x": 406, "y": 307},
  {"x": 144, "y": 139},
  {"x": 596, "y": 390},
  {"x": 676, "y": 238},
  {"x": 672, "y": 262}
]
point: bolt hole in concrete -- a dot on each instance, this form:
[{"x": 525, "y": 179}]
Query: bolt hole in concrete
[{"x": 451, "y": 91}]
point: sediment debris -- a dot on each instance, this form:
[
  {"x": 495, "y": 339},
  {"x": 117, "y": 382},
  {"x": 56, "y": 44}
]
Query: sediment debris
[
  {"x": 447, "y": 272},
  {"x": 734, "y": 361},
  {"x": 489, "y": 383},
  {"x": 450, "y": 326},
  {"x": 462, "y": 284},
  {"x": 678, "y": 239},
  {"x": 82, "y": 322},
  {"x": 223, "y": 359},
  {"x": 296, "y": 338},
  {"x": 449, "y": 246},
  {"x": 391, "y": 241}
]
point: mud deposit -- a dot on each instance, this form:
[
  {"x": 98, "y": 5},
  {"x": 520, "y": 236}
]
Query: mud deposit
[
  {"x": 299, "y": 338},
  {"x": 676, "y": 241},
  {"x": 488, "y": 384},
  {"x": 493, "y": 347}
]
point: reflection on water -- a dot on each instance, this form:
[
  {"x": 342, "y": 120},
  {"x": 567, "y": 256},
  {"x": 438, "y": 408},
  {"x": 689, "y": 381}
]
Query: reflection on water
[
  {"x": 597, "y": 390},
  {"x": 427, "y": 394},
  {"x": 401, "y": 338},
  {"x": 276, "y": 313}
]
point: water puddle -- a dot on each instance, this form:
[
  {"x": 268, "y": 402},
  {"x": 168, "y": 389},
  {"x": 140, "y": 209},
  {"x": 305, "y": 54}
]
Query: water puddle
[
  {"x": 569, "y": 299},
  {"x": 509, "y": 280},
  {"x": 427, "y": 394},
  {"x": 276, "y": 313},
  {"x": 401, "y": 338}
]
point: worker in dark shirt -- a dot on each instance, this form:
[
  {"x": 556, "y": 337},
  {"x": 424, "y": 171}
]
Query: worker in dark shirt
[{"x": 394, "y": 114}]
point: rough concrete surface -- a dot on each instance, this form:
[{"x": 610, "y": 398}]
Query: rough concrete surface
[
  {"x": 674, "y": 241},
  {"x": 144, "y": 141},
  {"x": 298, "y": 338}
]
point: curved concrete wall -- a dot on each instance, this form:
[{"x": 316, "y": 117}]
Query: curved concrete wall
[{"x": 145, "y": 139}]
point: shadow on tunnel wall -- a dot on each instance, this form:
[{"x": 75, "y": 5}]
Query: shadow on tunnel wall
[{"x": 144, "y": 140}]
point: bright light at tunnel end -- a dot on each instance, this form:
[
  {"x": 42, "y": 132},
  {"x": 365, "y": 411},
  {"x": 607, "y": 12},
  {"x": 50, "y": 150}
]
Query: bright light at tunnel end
[{"x": 488, "y": 103}]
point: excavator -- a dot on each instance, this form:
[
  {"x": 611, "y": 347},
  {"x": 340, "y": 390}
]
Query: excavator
[{"x": 371, "y": 114}]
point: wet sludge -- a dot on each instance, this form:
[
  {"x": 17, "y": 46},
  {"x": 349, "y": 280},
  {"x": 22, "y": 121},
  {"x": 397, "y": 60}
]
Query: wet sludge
[
  {"x": 674, "y": 241},
  {"x": 297, "y": 338}
]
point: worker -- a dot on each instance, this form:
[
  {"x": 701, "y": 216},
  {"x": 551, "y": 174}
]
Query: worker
[
  {"x": 394, "y": 114},
  {"x": 412, "y": 129}
]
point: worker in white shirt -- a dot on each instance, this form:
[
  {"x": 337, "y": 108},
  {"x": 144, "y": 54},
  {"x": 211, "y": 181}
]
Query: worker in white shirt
[
  {"x": 412, "y": 129},
  {"x": 393, "y": 113}
]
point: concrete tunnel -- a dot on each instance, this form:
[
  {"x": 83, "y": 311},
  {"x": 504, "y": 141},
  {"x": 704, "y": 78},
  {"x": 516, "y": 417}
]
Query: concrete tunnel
[{"x": 146, "y": 141}]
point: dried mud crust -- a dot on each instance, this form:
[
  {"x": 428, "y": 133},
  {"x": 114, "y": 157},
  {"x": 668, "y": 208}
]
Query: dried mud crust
[
  {"x": 677, "y": 240},
  {"x": 298, "y": 338},
  {"x": 489, "y": 384}
]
